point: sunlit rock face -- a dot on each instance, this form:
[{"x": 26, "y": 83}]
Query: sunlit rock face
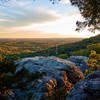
[
  {"x": 87, "y": 89},
  {"x": 43, "y": 62},
  {"x": 58, "y": 73},
  {"x": 79, "y": 61}
]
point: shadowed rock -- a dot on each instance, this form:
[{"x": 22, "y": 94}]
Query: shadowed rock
[
  {"x": 87, "y": 89},
  {"x": 79, "y": 61}
]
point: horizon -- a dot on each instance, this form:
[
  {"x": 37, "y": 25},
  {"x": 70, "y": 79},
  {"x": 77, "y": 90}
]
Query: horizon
[
  {"x": 40, "y": 19},
  {"x": 49, "y": 38}
]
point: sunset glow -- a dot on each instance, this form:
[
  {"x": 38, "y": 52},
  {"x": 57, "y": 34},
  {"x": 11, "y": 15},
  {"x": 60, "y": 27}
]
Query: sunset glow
[{"x": 39, "y": 19}]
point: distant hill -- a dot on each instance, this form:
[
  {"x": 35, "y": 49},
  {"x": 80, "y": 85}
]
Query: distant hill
[
  {"x": 78, "y": 48},
  {"x": 83, "y": 47},
  {"x": 30, "y": 47},
  {"x": 50, "y": 47}
]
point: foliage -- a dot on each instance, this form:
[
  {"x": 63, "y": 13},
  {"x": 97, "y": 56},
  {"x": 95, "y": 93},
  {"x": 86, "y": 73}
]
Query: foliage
[
  {"x": 7, "y": 69},
  {"x": 8, "y": 76},
  {"x": 7, "y": 65},
  {"x": 41, "y": 48},
  {"x": 57, "y": 94},
  {"x": 31, "y": 47},
  {"x": 90, "y": 10},
  {"x": 87, "y": 50},
  {"x": 95, "y": 47},
  {"x": 81, "y": 52},
  {"x": 79, "y": 48},
  {"x": 93, "y": 63},
  {"x": 63, "y": 56}
]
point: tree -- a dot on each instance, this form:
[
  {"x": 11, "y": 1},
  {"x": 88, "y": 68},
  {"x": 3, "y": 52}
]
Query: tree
[{"x": 90, "y": 10}]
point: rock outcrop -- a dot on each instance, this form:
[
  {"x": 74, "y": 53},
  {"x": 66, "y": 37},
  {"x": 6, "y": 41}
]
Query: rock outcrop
[
  {"x": 10, "y": 96},
  {"x": 87, "y": 89},
  {"x": 57, "y": 73},
  {"x": 79, "y": 61}
]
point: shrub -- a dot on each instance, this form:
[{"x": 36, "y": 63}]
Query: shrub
[
  {"x": 7, "y": 69},
  {"x": 8, "y": 76},
  {"x": 63, "y": 56},
  {"x": 93, "y": 63}
]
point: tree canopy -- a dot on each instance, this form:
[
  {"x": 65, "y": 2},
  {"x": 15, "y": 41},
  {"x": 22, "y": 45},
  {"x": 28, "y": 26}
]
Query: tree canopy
[{"x": 90, "y": 10}]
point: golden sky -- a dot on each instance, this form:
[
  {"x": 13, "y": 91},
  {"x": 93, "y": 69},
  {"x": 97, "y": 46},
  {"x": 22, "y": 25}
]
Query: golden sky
[{"x": 39, "y": 19}]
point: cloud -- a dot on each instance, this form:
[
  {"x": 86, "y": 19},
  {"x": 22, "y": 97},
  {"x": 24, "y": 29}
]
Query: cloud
[
  {"x": 27, "y": 16},
  {"x": 74, "y": 13},
  {"x": 20, "y": 3},
  {"x": 64, "y": 27},
  {"x": 3, "y": 20},
  {"x": 29, "y": 34},
  {"x": 15, "y": 3},
  {"x": 64, "y": 1},
  {"x": 1, "y": 14},
  {"x": 23, "y": 19},
  {"x": 21, "y": 14}
]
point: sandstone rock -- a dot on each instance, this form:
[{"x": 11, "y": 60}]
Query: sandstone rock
[
  {"x": 79, "y": 61},
  {"x": 87, "y": 89},
  {"x": 58, "y": 73},
  {"x": 74, "y": 74}
]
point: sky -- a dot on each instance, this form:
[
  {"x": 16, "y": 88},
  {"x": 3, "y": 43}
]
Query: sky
[{"x": 40, "y": 19}]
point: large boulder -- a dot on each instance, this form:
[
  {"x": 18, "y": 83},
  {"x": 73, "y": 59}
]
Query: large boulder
[
  {"x": 87, "y": 89},
  {"x": 79, "y": 61},
  {"x": 57, "y": 73}
]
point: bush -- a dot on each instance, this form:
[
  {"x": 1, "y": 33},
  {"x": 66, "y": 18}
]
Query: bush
[
  {"x": 8, "y": 76},
  {"x": 93, "y": 63},
  {"x": 7, "y": 69},
  {"x": 63, "y": 56}
]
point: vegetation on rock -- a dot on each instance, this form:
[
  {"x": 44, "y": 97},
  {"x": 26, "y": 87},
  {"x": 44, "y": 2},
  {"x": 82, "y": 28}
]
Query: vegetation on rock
[
  {"x": 93, "y": 63},
  {"x": 7, "y": 69}
]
